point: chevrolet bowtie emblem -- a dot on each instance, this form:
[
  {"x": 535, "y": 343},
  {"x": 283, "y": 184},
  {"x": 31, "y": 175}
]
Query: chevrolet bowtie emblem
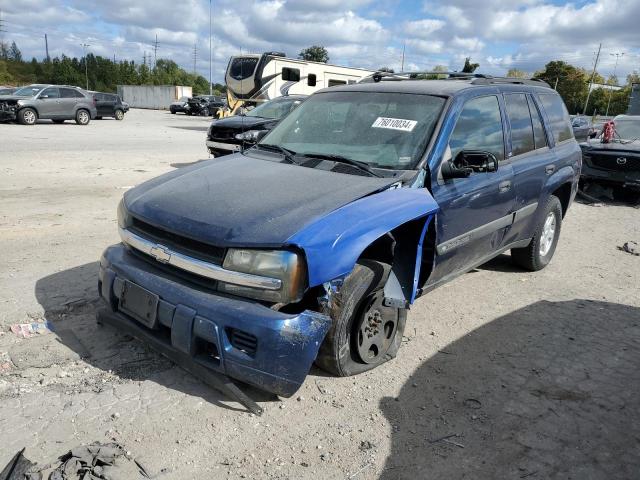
[
  {"x": 621, "y": 160},
  {"x": 160, "y": 253}
]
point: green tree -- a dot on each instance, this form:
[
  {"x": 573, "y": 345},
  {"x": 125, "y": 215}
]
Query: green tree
[
  {"x": 468, "y": 66},
  {"x": 572, "y": 84},
  {"x": 515, "y": 73},
  {"x": 5, "y": 77},
  {"x": 315, "y": 53},
  {"x": 4, "y": 51},
  {"x": 14, "y": 53}
]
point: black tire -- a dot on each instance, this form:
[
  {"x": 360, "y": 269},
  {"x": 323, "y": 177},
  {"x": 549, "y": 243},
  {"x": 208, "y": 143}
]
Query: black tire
[
  {"x": 539, "y": 252},
  {"x": 173, "y": 112},
  {"x": 205, "y": 112},
  {"x": 27, "y": 116},
  {"x": 119, "y": 115},
  {"x": 83, "y": 117},
  {"x": 58, "y": 121},
  {"x": 356, "y": 307}
]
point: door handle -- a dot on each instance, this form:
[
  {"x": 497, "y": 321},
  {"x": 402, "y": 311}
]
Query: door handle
[
  {"x": 504, "y": 186},
  {"x": 549, "y": 169}
]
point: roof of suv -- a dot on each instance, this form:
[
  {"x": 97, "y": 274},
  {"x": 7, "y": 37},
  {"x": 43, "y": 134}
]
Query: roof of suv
[{"x": 446, "y": 87}]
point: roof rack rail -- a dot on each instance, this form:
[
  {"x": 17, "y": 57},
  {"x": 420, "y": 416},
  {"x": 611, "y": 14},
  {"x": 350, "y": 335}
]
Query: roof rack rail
[{"x": 476, "y": 78}]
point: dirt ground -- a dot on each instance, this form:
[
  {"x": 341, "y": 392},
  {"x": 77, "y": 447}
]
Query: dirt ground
[{"x": 503, "y": 373}]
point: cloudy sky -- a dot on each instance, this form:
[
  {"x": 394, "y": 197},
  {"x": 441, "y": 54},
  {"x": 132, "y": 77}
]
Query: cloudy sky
[{"x": 498, "y": 34}]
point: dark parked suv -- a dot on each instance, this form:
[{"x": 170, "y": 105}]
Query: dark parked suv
[
  {"x": 109, "y": 105},
  {"x": 55, "y": 102},
  {"x": 312, "y": 245}
]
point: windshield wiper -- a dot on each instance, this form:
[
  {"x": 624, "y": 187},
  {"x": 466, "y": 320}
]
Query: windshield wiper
[
  {"x": 340, "y": 159},
  {"x": 289, "y": 155}
]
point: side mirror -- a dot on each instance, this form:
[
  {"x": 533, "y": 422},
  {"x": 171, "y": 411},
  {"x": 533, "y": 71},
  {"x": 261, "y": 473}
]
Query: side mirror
[{"x": 477, "y": 160}]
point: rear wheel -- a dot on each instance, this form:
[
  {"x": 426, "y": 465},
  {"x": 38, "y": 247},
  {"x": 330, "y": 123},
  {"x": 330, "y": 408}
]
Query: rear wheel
[
  {"x": 365, "y": 333},
  {"x": 539, "y": 252},
  {"x": 27, "y": 116},
  {"x": 119, "y": 114},
  {"x": 83, "y": 117}
]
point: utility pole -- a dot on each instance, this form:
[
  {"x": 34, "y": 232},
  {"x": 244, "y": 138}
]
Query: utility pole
[
  {"x": 144, "y": 58},
  {"x": 2, "y": 30},
  {"x": 555, "y": 87},
  {"x": 617, "y": 55},
  {"x": 210, "y": 52},
  {"x": 155, "y": 52},
  {"x": 195, "y": 57},
  {"x": 46, "y": 47},
  {"x": 86, "y": 68},
  {"x": 593, "y": 74},
  {"x": 403, "y": 47}
]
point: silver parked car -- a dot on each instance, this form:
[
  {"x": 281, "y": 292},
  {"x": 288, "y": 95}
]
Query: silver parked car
[{"x": 55, "y": 102}]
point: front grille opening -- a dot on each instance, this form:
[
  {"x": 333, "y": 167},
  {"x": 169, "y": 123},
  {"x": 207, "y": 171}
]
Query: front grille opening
[
  {"x": 188, "y": 246},
  {"x": 244, "y": 341},
  {"x": 207, "y": 352}
]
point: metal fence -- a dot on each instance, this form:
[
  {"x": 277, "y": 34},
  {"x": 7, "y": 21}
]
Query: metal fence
[{"x": 155, "y": 97}]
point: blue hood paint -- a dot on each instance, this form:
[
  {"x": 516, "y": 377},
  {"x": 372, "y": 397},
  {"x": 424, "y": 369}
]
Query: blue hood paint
[
  {"x": 239, "y": 200},
  {"x": 333, "y": 243}
]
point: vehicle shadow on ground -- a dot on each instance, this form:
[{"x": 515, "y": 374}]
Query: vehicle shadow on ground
[
  {"x": 188, "y": 164},
  {"x": 548, "y": 391},
  {"x": 70, "y": 300},
  {"x": 197, "y": 129}
]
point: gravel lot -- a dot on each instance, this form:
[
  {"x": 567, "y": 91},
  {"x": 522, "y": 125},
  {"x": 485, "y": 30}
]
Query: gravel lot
[{"x": 503, "y": 373}]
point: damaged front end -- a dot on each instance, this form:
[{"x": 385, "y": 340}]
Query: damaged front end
[
  {"x": 207, "y": 331},
  {"x": 8, "y": 110}
]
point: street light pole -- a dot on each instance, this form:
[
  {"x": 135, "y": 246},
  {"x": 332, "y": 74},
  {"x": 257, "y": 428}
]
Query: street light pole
[
  {"x": 210, "y": 52},
  {"x": 617, "y": 55},
  {"x": 86, "y": 68}
]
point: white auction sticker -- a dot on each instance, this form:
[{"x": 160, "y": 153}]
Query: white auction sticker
[{"x": 395, "y": 124}]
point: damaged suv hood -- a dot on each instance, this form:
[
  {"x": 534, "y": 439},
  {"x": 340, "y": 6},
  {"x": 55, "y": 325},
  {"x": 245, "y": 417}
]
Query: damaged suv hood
[{"x": 243, "y": 201}]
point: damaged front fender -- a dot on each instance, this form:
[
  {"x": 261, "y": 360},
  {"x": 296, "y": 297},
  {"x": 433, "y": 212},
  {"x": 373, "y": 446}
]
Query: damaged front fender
[{"x": 334, "y": 243}]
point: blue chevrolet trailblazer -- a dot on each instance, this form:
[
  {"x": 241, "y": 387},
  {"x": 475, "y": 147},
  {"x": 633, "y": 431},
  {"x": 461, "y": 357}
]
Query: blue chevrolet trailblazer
[{"x": 311, "y": 246}]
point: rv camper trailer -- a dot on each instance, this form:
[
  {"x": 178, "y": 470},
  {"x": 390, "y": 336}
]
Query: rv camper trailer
[{"x": 253, "y": 79}]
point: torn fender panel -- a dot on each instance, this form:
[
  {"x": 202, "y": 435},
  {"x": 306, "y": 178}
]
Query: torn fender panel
[{"x": 334, "y": 242}]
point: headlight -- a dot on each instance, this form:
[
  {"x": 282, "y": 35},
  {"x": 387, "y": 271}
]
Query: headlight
[
  {"x": 289, "y": 267},
  {"x": 124, "y": 219},
  {"x": 249, "y": 136},
  {"x": 20, "y": 103}
]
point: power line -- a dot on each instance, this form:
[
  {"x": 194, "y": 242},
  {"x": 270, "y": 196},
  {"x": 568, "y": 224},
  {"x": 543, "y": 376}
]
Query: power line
[
  {"x": 617, "y": 55},
  {"x": 593, "y": 74},
  {"x": 195, "y": 57},
  {"x": 155, "y": 52}
]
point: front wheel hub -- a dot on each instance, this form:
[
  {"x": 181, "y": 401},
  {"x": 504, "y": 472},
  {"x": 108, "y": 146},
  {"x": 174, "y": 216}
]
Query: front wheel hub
[{"x": 376, "y": 330}]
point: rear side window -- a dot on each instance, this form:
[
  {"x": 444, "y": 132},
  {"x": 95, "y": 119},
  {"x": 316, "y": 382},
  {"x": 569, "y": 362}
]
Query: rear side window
[
  {"x": 70, "y": 93},
  {"x": 520, "y": 119},
  {"x": 50, "y": 93},
  {"x": 538, "y": 130},
  {"x": 558, "y": 116},
  {"x": 479, "y": 127},
  {"x": 311, "y": 80}
]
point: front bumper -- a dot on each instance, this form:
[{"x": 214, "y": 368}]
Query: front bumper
[
  {"x": 7, "y": 115},
  {"x": 629, "y": 179},
  {"x": 222, "y": 148},
  {"x": 202, "y": 325}
]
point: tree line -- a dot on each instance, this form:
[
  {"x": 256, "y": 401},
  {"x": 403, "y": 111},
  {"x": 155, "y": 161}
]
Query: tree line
[
  {"x": 103, "y": 74},
  {"x": 571, "y": 82}
]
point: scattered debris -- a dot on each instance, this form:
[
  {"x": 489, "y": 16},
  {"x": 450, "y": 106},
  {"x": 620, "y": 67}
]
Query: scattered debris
[
  {"x": 27, "y": 330},
  {"x": 450, "y": 442},
  {"x": 366, "y": 465},
  {"x": 472, "y": 403},
  {"x": 630, "y": 247},
  {"x": 440, "y": 439},
  {"x": 366, "y": 445}
]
